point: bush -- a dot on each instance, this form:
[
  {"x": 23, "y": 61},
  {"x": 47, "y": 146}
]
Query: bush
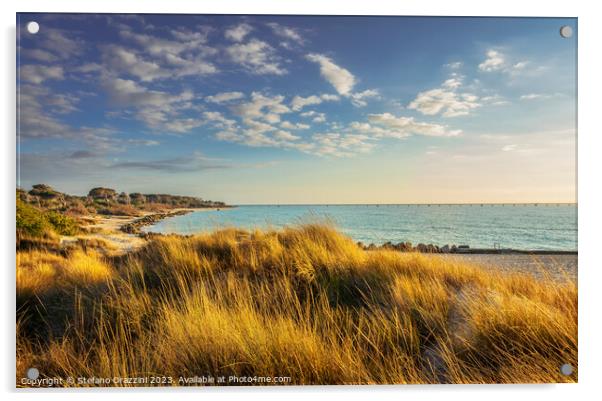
[
  {"x": 119, "y": 210},
  {"x": 30, "y": 221},
  {"x": 77, "y": 208},
  {"x": 62, "y": 224},
  {"x": 36, "y": 223}
]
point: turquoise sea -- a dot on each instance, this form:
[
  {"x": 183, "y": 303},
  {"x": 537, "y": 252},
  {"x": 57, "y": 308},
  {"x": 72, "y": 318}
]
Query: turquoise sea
[{"x": 529, "y": 227}]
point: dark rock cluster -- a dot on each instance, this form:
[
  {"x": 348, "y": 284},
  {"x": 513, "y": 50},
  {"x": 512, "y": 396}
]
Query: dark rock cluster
[
  {"x": 408, "y": 247},
  {"x": 135, "y": 226}
]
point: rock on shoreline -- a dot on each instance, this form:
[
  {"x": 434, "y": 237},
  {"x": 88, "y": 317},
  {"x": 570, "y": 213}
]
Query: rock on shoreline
[
  {"x": 458, "y": 249},
  {"x": 408, "y": 247},
  {"x": 135, "y": 226}
]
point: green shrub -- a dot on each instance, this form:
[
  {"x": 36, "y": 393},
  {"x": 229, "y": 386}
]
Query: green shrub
[
  {"x": 62, "y": 224},
  {"x": 30, "y": 220},
  {"x": 36, "y": 223}
]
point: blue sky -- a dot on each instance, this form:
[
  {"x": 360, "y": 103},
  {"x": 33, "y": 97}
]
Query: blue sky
[{"x": 300, "y": 109}]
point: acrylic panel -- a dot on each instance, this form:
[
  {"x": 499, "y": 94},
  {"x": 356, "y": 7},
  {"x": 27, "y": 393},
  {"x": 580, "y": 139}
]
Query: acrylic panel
[{"x": 295, "y": 200}]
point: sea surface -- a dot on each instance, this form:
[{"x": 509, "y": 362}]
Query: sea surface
[{"x": 527, "y": 227}]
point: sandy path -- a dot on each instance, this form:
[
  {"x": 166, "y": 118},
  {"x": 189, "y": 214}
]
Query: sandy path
[{"x": 107, "y": 228}]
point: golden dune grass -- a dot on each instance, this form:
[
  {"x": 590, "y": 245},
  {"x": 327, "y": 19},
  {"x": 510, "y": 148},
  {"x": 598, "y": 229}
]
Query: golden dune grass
[
  {"x": 41, "y": 271},
  {"x": 302, "y": 302}
]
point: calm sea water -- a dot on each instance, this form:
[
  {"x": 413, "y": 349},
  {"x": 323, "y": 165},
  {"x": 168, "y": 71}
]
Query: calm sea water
[{"x": 549, "y": 227}]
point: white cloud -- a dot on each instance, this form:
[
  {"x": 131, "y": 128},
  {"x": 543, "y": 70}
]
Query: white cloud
[
  {"x": 167, "y": 62},
  {"x": 39, "y": 55},
  {"x": 228, "y": 136},
  {"x": 329, "y": 97},
  {"x": 126, "y": 92},
  {"x": 286, "y": 32},
  {"x": 272, "y": 118},
  {"x": 183, "y": 42},
  {"x": 495, "y": 61},
  {"x": 358, "y": 98},
  {"x": 494, "y": 100},
  {"x": 289, "y": 125},
  {"x": 156, "y": 109},
  {"x": 533, "y": 96},
  {"x": 509, "y": 148},
  {"x": 445, "y": 100},
  {"x": 285, "y": 136},
  {"x": 39, "y": 73},
  {"x": 181, "y": 125},
  {"x": 299, "y": 102},
  {"x": 316, "y": 117},
  {"x": 258, "y": 118},
  {"x": 340, "y": 78},
  {"x": 238, "y": 33},
  {"x": 36, "y": 119},
  {"x": 454, "y": 65},
  {"x": 122, "y": 60},
  {"x": 39, "y": 118},
  {"x": 341, "y": 145},
  {"x": 319, "y": 118},
  {"x": 257, "y": 57},
  {"x": 224, "y": 97},
  {"x": 160, "y": 58},
  {"x": 257, "y": 130},
  {"x": 58, "y": 43},
  {"x": 400, "y": 127},
  {"x": 453, "y": 83},
  {"x": 259, "y": 134},
  {"x": 89, "y": 68},
  {"x": 261, "y": 105},
  {"x": 193, "y": 39},
  {"x": 61, "y": 103},
  {"x": 219, "y": 120}
]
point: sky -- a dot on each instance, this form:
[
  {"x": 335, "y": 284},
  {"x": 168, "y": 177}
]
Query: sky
[{"x": 299, "y": 109}]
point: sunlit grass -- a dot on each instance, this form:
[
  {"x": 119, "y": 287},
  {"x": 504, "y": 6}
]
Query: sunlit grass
[
  {"x": 41, "y": 271},
  {"x": 303, "y": 302}
]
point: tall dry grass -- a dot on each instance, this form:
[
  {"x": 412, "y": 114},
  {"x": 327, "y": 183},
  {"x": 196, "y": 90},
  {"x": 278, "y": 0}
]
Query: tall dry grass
[{"x": 302, "y": 302}]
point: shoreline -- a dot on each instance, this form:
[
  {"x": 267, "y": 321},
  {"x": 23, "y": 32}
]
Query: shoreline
[{"x": 135, "y": 226}]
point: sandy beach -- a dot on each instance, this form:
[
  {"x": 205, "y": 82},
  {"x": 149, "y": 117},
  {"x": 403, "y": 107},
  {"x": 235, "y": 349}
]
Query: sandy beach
[
  {"x": 557, "y": 266},
  {"x": 108, "y": 229}
]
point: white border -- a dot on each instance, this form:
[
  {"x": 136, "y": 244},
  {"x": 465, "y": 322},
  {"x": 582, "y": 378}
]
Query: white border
[{"x": 590, "y": 202}]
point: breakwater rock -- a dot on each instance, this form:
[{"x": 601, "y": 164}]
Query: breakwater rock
[
  {"x": 408, "y": 247},
  {"x": 459, "y": 249},
  {"x": 135, "y": 226}
]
